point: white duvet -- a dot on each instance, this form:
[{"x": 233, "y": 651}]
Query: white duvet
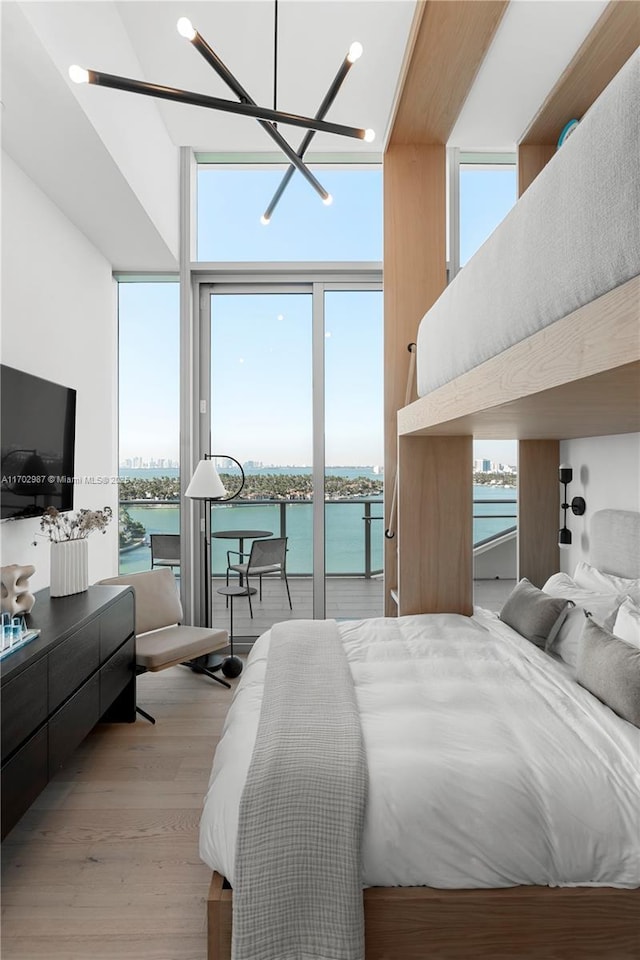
[{"x": 489, "y": 766}]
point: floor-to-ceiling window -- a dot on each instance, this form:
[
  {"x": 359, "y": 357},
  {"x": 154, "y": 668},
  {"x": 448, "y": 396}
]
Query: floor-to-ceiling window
[
  {"x": 296, "y": 379},
  {"x": 149, "y": 419},
  {"x": 296, "y": 397},
  {"x": 294, "y": 337},
  {"x": 354, "y": 448},
  {"x": 261, "y": 414}
]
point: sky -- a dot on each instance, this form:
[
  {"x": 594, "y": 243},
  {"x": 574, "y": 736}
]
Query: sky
[
  {"x": 261, "y": 343},
  {"x": 262, "y": 375}
]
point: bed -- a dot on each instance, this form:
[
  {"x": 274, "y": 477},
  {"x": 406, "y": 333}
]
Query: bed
[
  {"x": 481, "y": 749},
  {"x": 572, "y": 238}
]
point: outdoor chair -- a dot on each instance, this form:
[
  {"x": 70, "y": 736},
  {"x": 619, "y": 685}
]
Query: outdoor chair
[
  {"x": 161, "y": 639},
  {"x": 267, "y": 557},
  {"x": 165, "y": 550}
]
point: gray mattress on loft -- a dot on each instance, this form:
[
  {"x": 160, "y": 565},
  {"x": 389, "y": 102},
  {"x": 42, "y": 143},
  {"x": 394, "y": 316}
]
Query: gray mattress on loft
[{"x": 573, "y": 236}]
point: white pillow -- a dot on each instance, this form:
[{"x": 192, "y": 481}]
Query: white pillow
[
  {"x": 602, "y": 606},
  {"x": 593, "y": 579},
  {"x": 627, "y": 625}
]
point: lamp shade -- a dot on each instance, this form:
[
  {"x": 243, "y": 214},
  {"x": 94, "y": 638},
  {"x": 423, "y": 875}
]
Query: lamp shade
[
  {"x": 205, "y": 483},
  {"x": 564, "y": 538},
  {"x": 565, "y": 473}
]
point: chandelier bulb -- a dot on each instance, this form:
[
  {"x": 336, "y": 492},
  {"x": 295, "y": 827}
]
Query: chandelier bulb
[
  {"x": 186, "y": 28},
  {"x": 264, "y": 220},
  {"x": 328, "y": 200},
  {"x": 78, "y": 74},
  {"x": 369, "y": 135},
  {"x": 355, "y": 51}
]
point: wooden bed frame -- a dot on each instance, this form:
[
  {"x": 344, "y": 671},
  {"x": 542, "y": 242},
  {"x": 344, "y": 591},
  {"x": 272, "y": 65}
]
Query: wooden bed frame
[{"x": 517, "y": 923}]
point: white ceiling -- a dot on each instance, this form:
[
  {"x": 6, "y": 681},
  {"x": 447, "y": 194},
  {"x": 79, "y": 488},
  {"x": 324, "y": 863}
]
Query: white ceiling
[
  {"x": 313, "y": 39},
  {"x": 109, "y": 159},
  {"x": 533, "y": 44}
]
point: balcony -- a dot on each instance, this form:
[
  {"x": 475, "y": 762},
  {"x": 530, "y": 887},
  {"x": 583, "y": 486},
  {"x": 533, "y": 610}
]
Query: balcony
[{"x": 354, "y": 586}]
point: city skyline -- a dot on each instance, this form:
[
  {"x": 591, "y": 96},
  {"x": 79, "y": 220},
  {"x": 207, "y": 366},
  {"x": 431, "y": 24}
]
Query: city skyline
[{"x": 480, "y": 465}]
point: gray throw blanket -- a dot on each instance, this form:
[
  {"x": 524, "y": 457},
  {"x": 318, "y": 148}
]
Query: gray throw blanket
[{"x": 297, "y": 886}]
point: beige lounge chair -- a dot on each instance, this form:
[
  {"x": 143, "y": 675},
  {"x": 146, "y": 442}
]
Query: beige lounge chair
[{"x": 161, "y": 639}]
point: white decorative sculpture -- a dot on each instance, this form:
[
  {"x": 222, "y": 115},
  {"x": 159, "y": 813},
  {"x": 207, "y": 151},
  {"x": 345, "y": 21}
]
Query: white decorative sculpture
[{"x": 16, "y": 596}]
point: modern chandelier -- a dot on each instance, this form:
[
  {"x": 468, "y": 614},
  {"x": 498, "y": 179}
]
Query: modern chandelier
[{"x": 267, "y": 118}]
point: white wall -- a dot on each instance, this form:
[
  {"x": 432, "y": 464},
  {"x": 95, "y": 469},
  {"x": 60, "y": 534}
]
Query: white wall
[
  {"x": 606, "y": 472},
  {"x": 59, "y": 322}
]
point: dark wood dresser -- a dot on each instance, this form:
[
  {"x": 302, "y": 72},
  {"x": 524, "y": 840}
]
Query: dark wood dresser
[{"x": 80, "y": 670}]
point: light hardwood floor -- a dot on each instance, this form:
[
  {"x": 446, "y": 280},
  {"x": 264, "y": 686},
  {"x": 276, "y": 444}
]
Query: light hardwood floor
[{"x": 105, "y": 864}]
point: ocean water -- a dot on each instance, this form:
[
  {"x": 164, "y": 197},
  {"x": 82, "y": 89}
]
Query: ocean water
[{"x": 344, "y": 525}]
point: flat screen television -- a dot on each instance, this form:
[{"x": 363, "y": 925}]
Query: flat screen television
[{"x": 37, "y": 444}]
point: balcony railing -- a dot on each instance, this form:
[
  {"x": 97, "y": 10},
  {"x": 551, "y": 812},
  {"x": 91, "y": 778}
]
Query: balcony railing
[
  {"x": 484, "y": 533},
  {"x": 353, "y": 546},
  {"x": 353, "y": 531}
]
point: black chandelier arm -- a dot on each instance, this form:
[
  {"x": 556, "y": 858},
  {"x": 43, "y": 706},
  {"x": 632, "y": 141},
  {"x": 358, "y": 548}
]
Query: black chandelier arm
[
  {"x": 282, "y": 186},
  {"x": 225, "y": 74},
  {"x": 220, "y": 68},
  {"x": 129, "y": 85},
  {"x": 332, "y": 92},
  {"x": 330, "y": 96}
]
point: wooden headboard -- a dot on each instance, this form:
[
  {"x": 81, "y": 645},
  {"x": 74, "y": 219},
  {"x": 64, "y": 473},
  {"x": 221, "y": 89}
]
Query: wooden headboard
[{"x": 615, "y": 542}]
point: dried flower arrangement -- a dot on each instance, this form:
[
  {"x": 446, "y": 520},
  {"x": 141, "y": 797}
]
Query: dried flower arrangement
[{"x": 68, "y": 526}]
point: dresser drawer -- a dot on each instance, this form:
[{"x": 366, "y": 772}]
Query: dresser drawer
[
  {"x": 116, "y": 673},
  {"x": 23, "y": 778},
  {"x": 72, "y": 661},
  {"x": 71, "y": 723},
  {"x": 116, "y": 624},
  {"x": 24, "y": 705}
]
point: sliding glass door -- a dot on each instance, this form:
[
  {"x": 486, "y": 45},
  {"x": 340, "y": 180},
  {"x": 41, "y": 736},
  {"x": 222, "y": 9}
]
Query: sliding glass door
[
  {"x": 296, "y": 398},
  {"x": 261, "y": 414},
  {"x": 354, "y": 447}
]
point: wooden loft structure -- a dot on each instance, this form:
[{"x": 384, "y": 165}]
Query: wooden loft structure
[{"x": 572, "y": 379}]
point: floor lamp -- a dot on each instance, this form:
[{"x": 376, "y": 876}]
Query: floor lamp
[{"x": 207, "y": 486}]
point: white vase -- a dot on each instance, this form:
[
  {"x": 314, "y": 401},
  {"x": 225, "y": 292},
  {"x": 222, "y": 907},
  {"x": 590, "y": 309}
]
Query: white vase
[{"x": 69, "y": 567}]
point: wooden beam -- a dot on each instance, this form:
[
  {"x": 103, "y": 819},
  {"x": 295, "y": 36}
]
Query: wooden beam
[
  {"x": 414, "y": 277},
  {"x": 613, "y": 39},
  {"x": 577, "y": 374},
  {"x": 435, "y": 525},
  {"x": 606, "y": 403},
  {"x": 538, "y": 510},
  {"x": 450, "y": 43}
]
